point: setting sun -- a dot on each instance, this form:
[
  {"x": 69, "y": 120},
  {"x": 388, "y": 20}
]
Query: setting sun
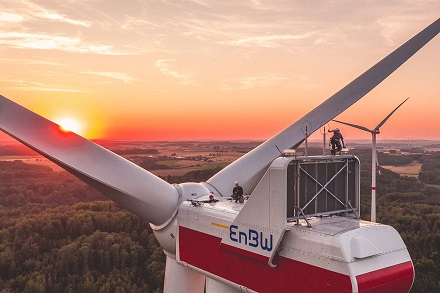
[{"x": 68, "y": 124}]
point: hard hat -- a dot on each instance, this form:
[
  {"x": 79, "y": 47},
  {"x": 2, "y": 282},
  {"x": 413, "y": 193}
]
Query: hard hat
[{"x": 236, "y": 182}]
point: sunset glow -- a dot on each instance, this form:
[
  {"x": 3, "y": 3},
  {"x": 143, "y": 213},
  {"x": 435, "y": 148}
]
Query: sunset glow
[
  {"x": 187, "y": 70},
  {"x": 69, "y": 124}
]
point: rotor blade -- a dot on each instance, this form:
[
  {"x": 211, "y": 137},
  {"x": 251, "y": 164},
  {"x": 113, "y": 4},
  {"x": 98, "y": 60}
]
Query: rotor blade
[
  {"x": 354, "y": 125},
  {"x": 389, "y": 115},
  {"x": 122, "y": 181},
  {"x": 250, "y": 168}
]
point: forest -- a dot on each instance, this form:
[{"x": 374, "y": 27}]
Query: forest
[{"x": 59, "y": 235}]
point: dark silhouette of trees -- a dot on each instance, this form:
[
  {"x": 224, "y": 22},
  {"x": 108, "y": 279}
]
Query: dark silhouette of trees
[{"x": 59, "y": 235}]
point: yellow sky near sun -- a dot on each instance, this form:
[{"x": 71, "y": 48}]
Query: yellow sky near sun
[{"x": 215, "y": 69}]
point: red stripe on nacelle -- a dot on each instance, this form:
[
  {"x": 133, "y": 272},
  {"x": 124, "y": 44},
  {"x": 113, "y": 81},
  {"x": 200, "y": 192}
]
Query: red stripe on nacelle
[
  {"x": 397, "y": 278},
  {"x": 203, "y": 251},
  {"x": 245, "y": 253}
]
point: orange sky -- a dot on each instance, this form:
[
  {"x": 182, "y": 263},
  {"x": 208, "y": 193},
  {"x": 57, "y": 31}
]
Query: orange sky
[{"x": 180, "y": 70}]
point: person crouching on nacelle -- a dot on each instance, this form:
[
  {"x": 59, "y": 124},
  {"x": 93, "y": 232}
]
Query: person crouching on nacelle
[
  {"x": 237, "y": 193},
  {"x": 336, "y": 140}
]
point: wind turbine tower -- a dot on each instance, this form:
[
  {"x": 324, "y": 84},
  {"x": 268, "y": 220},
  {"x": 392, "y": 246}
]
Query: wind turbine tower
[{"x": 374, "y": 161}]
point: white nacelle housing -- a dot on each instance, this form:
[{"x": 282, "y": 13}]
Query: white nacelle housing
[{"x": 300, "y": 224}]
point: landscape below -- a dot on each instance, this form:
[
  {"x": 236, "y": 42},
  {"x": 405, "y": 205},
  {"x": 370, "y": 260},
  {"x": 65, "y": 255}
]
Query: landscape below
[{"x": 59, "y": 235}]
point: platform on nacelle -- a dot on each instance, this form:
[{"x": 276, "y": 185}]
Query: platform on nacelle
[{"x": 302, "y": 187}]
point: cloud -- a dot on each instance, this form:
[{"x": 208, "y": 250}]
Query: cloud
[
  {"x": 38, "y": 11},
  {"x": 27, "y": 25},
  {"x": 114, "y": 75},
  {"x": 393, "y": 28},
  {"x": 165, "y": 68},
  {"x": 266, "y": 41},
  {"x": 10, "y": 17},
  {"x": 30, "y": 62},
  {"x": 20, "y": 40},
  {"x": 44, "y": 88},
  {"x": 199, "y": 2},
  {"x": 140, "y": 24},
  {"x": 250, "y": 82},
  {"x": 23, "y": 85},
  {"x": 38, "y": 62}
]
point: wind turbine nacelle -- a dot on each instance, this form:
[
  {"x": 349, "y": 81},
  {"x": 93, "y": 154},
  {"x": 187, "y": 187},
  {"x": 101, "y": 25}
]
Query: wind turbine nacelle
[{"x": 298, "y": 231}]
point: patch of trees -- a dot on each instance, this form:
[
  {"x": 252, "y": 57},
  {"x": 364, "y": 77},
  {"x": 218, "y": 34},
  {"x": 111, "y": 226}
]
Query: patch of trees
[
  {"x": 150, "y": 163},
  {"x": 384, "y": 159},
  {"x": 87, "y": 247},
  {"x": 430, "y": 173},
  {"x": 414, "y": 150},
  {"x": 24, "y": 185},
  {"x": 394, "y": 160},
  {"x": 416, "y": 216},
  {"x": 59, "y": 235}
]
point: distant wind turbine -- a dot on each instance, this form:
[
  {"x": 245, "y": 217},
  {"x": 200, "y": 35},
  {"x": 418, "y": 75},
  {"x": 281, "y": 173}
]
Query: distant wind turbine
[{"x": 374, "y": 162}]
